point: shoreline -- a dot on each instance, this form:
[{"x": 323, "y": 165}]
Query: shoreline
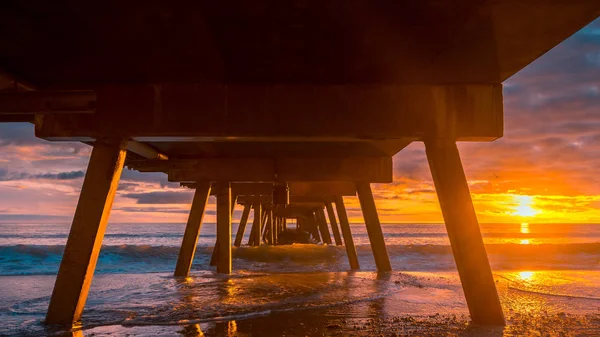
[{"x": 337, "y": 304}]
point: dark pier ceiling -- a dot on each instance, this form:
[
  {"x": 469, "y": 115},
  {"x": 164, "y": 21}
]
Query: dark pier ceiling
[
  {"x": 79, "y": 44},
  {"x": 226, "y": 78}
]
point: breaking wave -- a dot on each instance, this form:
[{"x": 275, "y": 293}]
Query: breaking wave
[{"x": 45, "y": 259}]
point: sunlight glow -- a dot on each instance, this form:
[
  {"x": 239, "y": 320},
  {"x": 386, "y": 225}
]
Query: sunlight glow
[
  {"x": 524, "y": 242},
  {"x": 524, "y": 228},
  {"x": 526, "y": 275},
  {"x": 523, "y": 207}
]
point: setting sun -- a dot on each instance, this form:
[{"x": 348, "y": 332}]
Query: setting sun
[{"x": 523, "y": 207}]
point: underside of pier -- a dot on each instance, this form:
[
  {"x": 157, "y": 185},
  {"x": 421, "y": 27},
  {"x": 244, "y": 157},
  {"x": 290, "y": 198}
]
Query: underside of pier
[{"x": 236, "y": 98}]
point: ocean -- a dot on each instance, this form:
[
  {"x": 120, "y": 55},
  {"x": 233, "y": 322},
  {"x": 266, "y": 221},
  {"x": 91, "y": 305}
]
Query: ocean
[{"x": 556, "y": 264}]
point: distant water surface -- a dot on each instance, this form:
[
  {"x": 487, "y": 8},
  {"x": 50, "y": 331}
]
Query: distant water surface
[{"x": 559, "y": 263}]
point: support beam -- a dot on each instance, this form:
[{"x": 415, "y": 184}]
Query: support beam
[
  {"x": 192, "y": 229},
  {"x": 272, "y": 228},
  {"x": 242, "y": 227},
  {"x": 224, "y": 228},
  {"x": 395, "y": 111},
  {"x": 322, "y": 223},
  {"x": 214, "y": 258},
  {"x": 334, "y": 226},
  {"x": 145, "y": 150},
  {"x": 345, "y": 226},
  {"x": 87, "y": 231},
  {"x": 347, "y": 169},
  {"x": 47, "y": 102},
  {"x": 369, "y": 210},
  {"x": 256, "y": 229},
  {"x": 464, "y": 233},
  {"x": 305, "y": 189}
]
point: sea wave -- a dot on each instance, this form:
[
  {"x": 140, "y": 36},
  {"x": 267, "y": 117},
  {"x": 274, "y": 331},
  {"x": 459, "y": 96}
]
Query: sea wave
[{"x": 45, "y": 259}]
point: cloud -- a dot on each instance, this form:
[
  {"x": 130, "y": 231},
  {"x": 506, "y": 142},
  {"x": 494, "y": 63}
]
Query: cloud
[
  {"x": 162, "y": 197},
  {"x": 33, "y": 218},
  {"x": 5, "y": 175},
  {"x": 17, "y": 134}
]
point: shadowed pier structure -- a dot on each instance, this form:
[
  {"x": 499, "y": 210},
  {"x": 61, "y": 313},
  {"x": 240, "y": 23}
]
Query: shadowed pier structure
[
  {"x": 306, "y": 200},
  {"x": 271, "y": 92}
]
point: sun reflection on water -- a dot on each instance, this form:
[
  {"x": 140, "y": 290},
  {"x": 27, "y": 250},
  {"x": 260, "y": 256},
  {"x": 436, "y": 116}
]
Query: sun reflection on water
[{"x": 525, "y": 228}]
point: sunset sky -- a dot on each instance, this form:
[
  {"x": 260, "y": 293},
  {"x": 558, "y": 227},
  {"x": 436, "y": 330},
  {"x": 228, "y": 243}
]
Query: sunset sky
[{"x": 545, "y": 169}]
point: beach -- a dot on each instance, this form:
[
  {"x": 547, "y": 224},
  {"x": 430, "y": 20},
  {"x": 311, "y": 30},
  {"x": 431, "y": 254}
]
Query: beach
[{"x": 547, "y": 287}]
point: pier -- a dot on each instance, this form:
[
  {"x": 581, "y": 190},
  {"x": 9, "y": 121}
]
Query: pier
[{"x": 254, "y": 100}]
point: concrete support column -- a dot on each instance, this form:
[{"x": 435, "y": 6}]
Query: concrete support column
[
  {"x": 192, "y": 229},
  {"x": 242, "y": 227},
  {"x": 87, "y": 231},
  {"x": 345, "y": 226},
  {"x": 464, "y": 233},
  {"x": 367, "y": 204},
  {"x": 224, "y": 227},
  {"x": 334, "y": 226}
]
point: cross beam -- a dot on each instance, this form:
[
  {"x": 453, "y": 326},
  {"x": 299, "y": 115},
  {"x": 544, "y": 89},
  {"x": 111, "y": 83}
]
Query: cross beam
[
  {"x": 314, "y": 189},
  {"x": 353, "y": 169},
  {"x": 212, "y": 111}
]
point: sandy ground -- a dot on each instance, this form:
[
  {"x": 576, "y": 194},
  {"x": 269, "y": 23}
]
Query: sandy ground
[
  {"x": 415, "y": 311},
  {"x": 315, "y": 323}
]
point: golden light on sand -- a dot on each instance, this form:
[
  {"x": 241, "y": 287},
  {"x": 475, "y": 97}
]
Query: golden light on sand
[
  {"x": 523, "y": 207},
  {"x": 526, "y": 275},
  {"x": 232, "y": 329}
]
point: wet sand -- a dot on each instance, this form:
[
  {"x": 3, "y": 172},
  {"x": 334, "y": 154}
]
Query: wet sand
[{"x": 417, "y": 309}]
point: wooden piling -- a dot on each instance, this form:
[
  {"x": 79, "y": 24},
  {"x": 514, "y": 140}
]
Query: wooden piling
[
  {"x": 242, "y": 227},
  {"x": 347, "y": 233},
  {"x": 464, "y": 233},
  {"x": 215, "y": 254},
  {"x": 272, "y": 228},
  {"x": 323, "y": 228},
  {"x": 314, "y": 227},
  {"x": 87, "y": 231},
  {"x": 256, "y": 225},
  {"x": 276, "y": 233},
  {"x": 333, "y": 223},
  {"x": 224, "y": 227},
  {"x": 267, "y": 227},
  {"x": 192, "y": 229},
  {"x": 369, "y": 210}
]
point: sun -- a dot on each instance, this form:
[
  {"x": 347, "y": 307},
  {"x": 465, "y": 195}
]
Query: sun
[{"x": 523, "y": 207}]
